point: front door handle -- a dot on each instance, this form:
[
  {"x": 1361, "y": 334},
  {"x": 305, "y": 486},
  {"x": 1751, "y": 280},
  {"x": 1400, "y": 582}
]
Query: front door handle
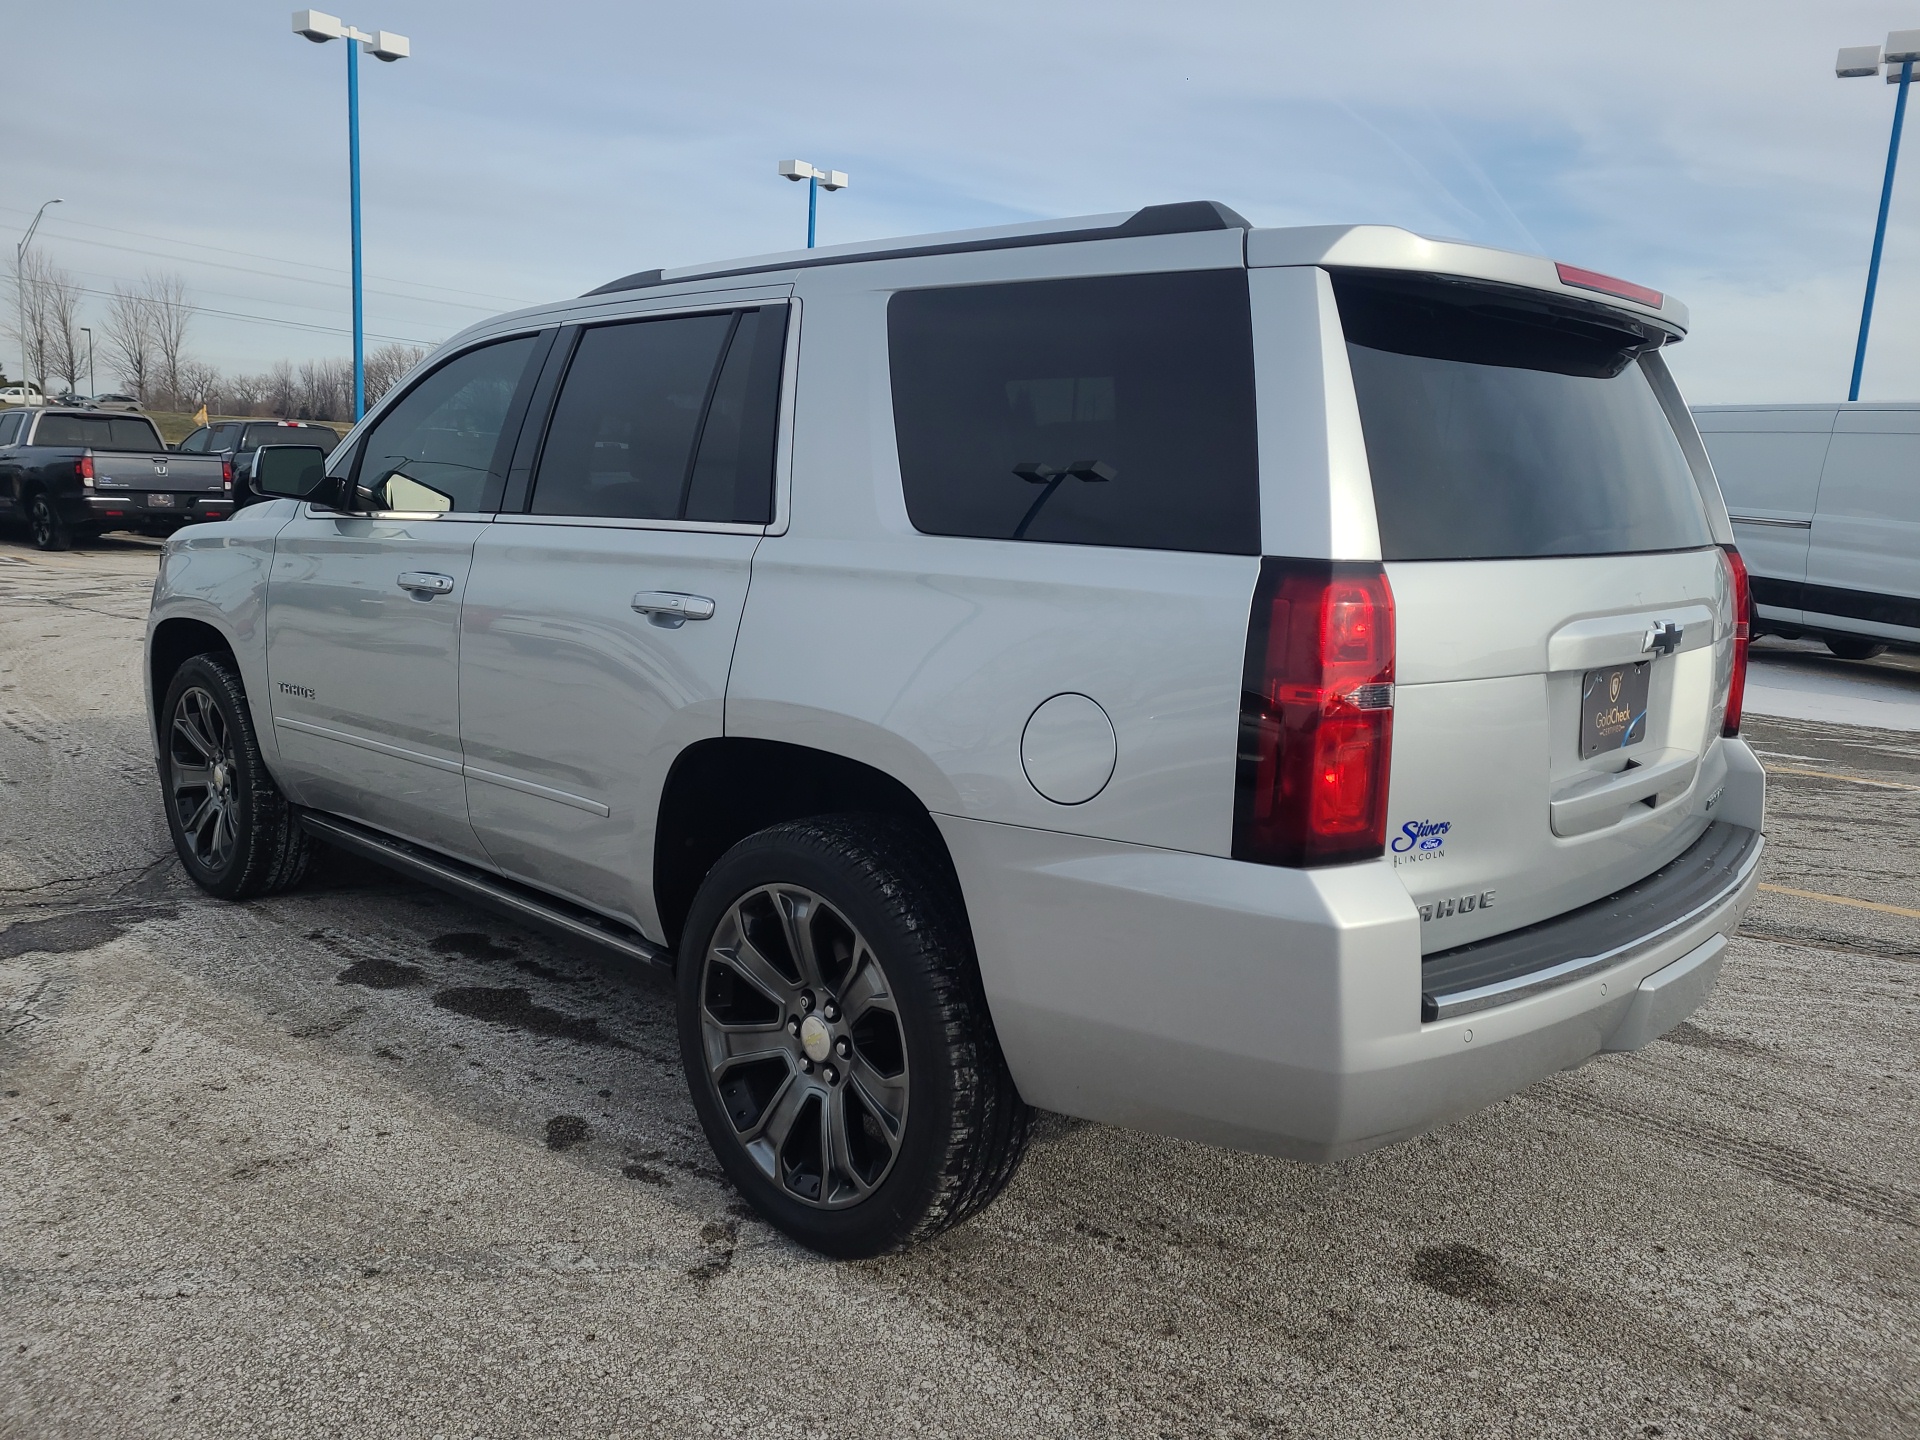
[
  {"x": 424, "y": 584},
  {"x": 671, "y": 609}
]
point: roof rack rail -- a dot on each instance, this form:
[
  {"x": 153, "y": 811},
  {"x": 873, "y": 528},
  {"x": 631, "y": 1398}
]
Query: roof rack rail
[{"x": 1185, "y": 217}]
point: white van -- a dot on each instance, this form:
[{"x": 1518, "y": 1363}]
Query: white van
[{"x": 1825, "y": 501}]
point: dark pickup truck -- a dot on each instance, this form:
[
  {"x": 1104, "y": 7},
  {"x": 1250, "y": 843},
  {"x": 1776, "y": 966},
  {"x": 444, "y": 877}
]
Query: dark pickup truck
[
  {"x": 238, "y": 439},
  {"x": 70, "y": 474}
]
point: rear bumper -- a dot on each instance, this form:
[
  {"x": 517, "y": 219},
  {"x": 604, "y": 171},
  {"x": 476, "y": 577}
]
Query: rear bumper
[
  {"x": 129, "y": 510},
  {"x": 1278, "y": 1010}
]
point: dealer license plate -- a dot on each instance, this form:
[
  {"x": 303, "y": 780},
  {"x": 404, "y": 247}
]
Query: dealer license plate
[
  {"x": 161, "y": 502},
  {"x": 1613, "y": 707}
]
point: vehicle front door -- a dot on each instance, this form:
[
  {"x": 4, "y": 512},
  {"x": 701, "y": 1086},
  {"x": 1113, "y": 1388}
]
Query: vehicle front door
[
  {"x": 363, "y": 608},
  {"x": 600, "y": 620}
]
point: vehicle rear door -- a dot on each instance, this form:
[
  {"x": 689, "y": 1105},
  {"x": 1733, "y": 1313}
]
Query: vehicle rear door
[
  {"x": 1863, "y": 565},
  {"x": 363, "y": 608},
  {"x": 1563, "y": 611},
  {"x": 1768, "y": 462},
  {"x": 601, "y": 617}
]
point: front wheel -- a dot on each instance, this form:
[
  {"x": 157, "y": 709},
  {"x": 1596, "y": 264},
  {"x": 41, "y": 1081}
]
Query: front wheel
[
  {"x": 234, "y": 831},
  {"x": 836, "y": 1040},
  {"x": 45, "y": 524}
]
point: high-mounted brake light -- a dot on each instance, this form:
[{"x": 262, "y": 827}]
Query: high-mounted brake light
[
  {"x": 1316, "y": 715},
  {"x": 1742, "y": 634},
  {"x": 83, "y": 468},
  {"x": 1606, "y": 284}
]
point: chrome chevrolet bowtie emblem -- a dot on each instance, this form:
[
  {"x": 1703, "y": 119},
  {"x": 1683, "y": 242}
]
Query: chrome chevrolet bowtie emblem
[{"x": 1663, "y": 638}]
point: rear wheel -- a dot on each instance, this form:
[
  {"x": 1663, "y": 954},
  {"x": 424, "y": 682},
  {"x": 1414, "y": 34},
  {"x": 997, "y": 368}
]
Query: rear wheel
[
  {"x": 1853, "y": 647},
  {"x": 234, "y": 831},
  {"x": 838, "y": 1046},
  {"x": 45, "y": 525}
]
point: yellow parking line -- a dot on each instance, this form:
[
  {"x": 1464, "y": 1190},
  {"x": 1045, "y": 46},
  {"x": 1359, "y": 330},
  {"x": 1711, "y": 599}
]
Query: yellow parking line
[
  {"x": 1843, "y": 900},
  {"x": 1830, "y": 775}
]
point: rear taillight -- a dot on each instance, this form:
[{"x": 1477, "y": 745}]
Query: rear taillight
[
  {"x": 1316, "y": 715},
  {"x": 83, "y": 470},
  {"x": 1742, "y": 633},
  {"x": 226, "y": 472}
]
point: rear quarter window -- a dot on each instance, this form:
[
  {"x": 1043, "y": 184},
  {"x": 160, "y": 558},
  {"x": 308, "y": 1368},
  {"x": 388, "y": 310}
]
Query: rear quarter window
[
  {"x": 1499, "y": 425},
  {"x": 1113, "y": 410}
]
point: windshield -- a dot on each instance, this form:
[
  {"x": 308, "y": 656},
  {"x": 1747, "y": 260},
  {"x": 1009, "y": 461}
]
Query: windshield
[
  {"x": 99, "y": 432},
  {"x": 1502, "y": 426}
]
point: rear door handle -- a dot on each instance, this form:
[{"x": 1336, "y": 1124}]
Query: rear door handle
[
  {"x": 424, "y": 584},
  {"x": 671, "y": 609}
]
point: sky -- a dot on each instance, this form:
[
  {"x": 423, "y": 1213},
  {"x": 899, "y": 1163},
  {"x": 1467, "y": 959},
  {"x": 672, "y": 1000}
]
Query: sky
[{"x": 526, "y": 153}]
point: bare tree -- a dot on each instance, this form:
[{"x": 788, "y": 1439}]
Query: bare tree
[
  {"x": 27, "y": 317},
  {"x": 60, "y": 307},
  {"x": 129, "y": 333},
  {"x": 198, "y": 384},
  {"x": 170, "y": 312},
  {"x": 280, "y": 394},
  {"x": 386, "y": 366}
]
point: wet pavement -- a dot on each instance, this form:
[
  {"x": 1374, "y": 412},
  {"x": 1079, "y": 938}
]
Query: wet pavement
[{"x": 362, "y": 1160}]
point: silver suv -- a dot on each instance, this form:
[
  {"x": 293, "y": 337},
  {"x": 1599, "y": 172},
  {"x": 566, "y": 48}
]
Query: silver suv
[{"x": 1274, "y": 687}]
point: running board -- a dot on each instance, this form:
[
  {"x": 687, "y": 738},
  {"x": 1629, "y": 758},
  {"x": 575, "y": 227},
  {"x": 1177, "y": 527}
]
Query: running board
[{"x": 495, "y": 892}]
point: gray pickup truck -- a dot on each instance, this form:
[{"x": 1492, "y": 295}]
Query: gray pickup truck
[{"x": 70, "y": 474}]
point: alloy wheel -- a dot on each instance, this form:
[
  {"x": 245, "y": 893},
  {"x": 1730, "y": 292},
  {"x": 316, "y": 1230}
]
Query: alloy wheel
[
  {"x": 202, "y": 779},
  {"x": 802, "y": 1041},
  {"x": 41, "y": 518}
]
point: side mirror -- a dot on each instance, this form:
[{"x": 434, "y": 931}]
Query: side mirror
[{"x": 297, "y": 472}]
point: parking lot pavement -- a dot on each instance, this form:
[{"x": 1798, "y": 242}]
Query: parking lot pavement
[
  {"x": 1803, "y": 680},
  {"x": 361, "y": 1160}
]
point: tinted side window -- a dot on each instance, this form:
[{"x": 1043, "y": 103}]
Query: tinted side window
[
  {"x": 1103, "y": 411},
  {"x": 733, "y": 472},
  {"x": 10, "y": 427},
  {"x": 441, "y": 446},
  {"x": 622, "y": 438},
  {"x": 196, "y": 443}
]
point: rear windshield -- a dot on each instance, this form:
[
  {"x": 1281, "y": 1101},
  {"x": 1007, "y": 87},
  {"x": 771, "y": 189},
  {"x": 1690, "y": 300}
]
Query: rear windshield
[
  {"x": 1499, "y": 426},
  {"x": 98, "y": 432},
  {"x": 276, "y": 434}
]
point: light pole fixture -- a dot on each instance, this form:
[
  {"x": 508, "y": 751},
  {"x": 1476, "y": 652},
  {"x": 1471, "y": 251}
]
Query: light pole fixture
[
  {"x": 382, "y": 45},
  {"x": 20, "y": 297},
  {"x": 1902, "y": 49},
  {"x": 93, "y": 385},
  {"x": 817, "y": 180}
]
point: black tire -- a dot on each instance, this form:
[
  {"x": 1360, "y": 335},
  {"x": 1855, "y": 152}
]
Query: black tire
[
  {"x": 45, "y": 524},
  {"x": 963, "y": 1127},
  {"x": 1853, "y": 647},
  {"x": 234, "y": 831}
]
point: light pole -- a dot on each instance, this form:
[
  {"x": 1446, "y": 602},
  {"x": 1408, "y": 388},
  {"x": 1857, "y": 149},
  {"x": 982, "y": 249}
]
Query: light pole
[
  {"x": 93, "y": 385},
  {"x": 1902, "y": 49},
  {"x": 817, "y": 180},
  {"x": 382, "y": 45},
  {"x": 20, "y": 297}
]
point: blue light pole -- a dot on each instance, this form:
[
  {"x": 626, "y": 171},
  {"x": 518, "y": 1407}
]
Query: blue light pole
[
  {"x": 817, "y": 180},
  {"x": 382, "y": 45},
  {"x": 1902, "y": 49}
]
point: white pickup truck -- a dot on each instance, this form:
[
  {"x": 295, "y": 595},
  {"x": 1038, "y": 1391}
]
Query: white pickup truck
[{"x": 1274, "y": 687}]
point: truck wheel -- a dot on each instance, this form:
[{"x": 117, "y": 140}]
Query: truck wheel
[
  {"x": 234, "y": 830},
  {"x": 49, "y": 531},
  {"x": 1852, "y": 647},
  {"x": 836, "y": 1039}
]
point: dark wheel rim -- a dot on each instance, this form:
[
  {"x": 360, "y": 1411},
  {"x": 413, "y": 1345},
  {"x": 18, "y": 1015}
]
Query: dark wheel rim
[
  {"x": 40, "y": 513},
  {"x": 201, "y": 780},
  {"x": 802, "y": 1041}
]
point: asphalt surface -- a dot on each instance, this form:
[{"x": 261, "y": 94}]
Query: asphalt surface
[{"x": 360, "y": 1160}]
